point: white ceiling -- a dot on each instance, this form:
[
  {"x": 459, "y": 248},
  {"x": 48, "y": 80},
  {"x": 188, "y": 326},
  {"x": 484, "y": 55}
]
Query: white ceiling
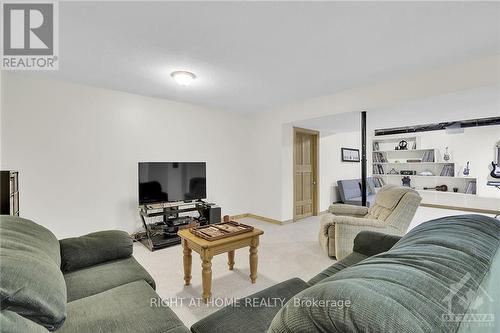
[{"x": 253, "y": 56}]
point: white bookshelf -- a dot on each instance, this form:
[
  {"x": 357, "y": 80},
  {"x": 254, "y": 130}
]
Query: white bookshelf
[{"x": 398, "y": 160}]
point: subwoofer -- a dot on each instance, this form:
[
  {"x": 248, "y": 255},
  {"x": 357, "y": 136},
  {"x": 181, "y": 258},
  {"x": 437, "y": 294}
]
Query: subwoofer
[{"x": 214, "y": 215}]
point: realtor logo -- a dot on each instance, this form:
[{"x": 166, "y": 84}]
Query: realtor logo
[
  {"x": 472, "y": 300},
  {"x": 29, "y": 36}
]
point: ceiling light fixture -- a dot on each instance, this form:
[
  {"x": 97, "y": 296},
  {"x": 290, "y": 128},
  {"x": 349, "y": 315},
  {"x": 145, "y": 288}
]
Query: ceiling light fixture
[{"x": 183, "y": 78}]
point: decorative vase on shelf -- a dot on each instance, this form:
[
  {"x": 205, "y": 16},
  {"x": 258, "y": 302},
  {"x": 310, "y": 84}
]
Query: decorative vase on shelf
[{"x": 446, "y": 156}]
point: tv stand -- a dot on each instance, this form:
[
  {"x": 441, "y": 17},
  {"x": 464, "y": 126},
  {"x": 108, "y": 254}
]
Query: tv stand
[{"x": 161, "y": 234}]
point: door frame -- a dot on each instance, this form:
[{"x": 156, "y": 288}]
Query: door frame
[{"x": 315, "y": 168}]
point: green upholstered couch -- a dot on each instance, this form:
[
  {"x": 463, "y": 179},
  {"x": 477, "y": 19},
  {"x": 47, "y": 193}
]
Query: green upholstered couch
[
  {"x": 86, "y": 284},
  {"x": 443, "y": 276}
]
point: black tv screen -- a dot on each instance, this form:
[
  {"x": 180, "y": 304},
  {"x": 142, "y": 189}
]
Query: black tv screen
[{"x": 171, "y": 181}]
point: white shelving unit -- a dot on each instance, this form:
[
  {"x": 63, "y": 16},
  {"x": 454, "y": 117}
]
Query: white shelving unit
[{"x": 387, "y": 160}]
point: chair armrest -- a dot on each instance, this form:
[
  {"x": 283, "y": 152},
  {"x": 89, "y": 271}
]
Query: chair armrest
[
  {"x": 331, "y": 221},
  {"x": 371, "y": 243},
  {"x": 343, "y": 209},
  {"x": 359, "y": 221},
  {"x": 94, "y": 248},
  {"x": 347, "y": 228}
]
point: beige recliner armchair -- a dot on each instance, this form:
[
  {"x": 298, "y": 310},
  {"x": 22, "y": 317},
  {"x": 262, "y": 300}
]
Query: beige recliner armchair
[{"x": 391, "y": 213}]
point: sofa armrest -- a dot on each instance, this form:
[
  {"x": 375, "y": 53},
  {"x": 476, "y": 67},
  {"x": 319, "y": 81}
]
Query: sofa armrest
[
  {"x": 251, "y": 314},
  {"x": 349, "y": 210},
  {"x": 94, "y": 248},
  {"x": 371, "y": 243}
]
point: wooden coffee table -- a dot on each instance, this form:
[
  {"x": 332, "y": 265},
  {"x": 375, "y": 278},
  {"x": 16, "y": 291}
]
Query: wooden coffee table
[{"x": 208, "y": 249}]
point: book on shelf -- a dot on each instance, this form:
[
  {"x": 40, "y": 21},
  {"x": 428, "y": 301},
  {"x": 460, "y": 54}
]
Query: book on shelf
[
  {"x": 428, "y": 156},
  {"x": 379, "y": 158},
  {"x": 470, "y": 188},
  {"x": 377, "y": 170},
  {"x": 379, "y": 182},
  {"x": 448, "y": 171}
]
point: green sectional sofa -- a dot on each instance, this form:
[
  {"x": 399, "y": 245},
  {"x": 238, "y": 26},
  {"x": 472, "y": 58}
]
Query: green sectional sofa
[
  {"x": 440, "y": 277},
  {"x": 85, "y": 284}
]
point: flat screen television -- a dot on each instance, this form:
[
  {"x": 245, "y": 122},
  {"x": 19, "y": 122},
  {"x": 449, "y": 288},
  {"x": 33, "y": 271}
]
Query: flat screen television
[{"x": 171, "y": 181}]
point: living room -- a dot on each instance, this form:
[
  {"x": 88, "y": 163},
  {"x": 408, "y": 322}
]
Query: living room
[{"x": 285, "y": 123}]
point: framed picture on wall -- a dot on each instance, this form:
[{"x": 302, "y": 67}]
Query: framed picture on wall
[{"x": 350, "y": 155}]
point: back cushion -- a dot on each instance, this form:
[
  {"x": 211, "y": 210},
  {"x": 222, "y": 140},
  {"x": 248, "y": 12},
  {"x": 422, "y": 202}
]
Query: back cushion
[
  {"x": 31, "y": 283},
  {"x": 386, "y": 200},
  {"x": 431, "y": 275}
]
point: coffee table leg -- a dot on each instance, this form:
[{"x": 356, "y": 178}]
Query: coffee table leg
[
  {"x": 206, "y": 275},
  {"x": 187, "y": 262},
  {"x": 230, "y": 260},
  {"x": 253, "y": 259}
]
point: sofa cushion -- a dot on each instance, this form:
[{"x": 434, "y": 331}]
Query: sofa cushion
[
  {"x": 31, "y": 282},
  {"x": 127, "y": 308},
  {"x": 25, "y": 235},
  {"x": 11, "y": 322},
  {"x": 350, "y": 260},
  {"x": 448, "y": 256},
  {"x": 94, "y": 248},
  {"x": 252, "y": 314},
  {"x": 93, "y": 280}
]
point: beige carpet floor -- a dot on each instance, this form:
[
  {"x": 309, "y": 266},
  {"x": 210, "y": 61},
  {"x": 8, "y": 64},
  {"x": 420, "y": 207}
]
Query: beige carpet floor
[{"x": 285, "y": 251}]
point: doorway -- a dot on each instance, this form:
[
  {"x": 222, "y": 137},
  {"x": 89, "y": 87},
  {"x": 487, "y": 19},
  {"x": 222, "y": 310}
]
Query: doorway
[{"x": 305, "y": 173}]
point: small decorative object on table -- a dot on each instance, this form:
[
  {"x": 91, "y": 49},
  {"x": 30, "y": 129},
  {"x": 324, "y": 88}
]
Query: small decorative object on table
[
  {"x": 455, "y": 189},
  {"x": 221, "y": 230},
  {"x": 446, "y": 155}
]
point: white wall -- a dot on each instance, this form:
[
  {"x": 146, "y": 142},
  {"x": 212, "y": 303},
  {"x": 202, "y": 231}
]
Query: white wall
[
  {"x": 331, "y": 166},
  {"x": 77, "y": 148},
  {"x": 1, "y": 108}
]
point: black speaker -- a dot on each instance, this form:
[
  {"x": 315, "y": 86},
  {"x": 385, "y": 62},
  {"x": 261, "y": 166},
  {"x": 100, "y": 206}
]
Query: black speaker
[{"x": 214, "y": 215}]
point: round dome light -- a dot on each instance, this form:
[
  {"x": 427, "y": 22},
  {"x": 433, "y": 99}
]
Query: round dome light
[{"x": 183, "y": 78}]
